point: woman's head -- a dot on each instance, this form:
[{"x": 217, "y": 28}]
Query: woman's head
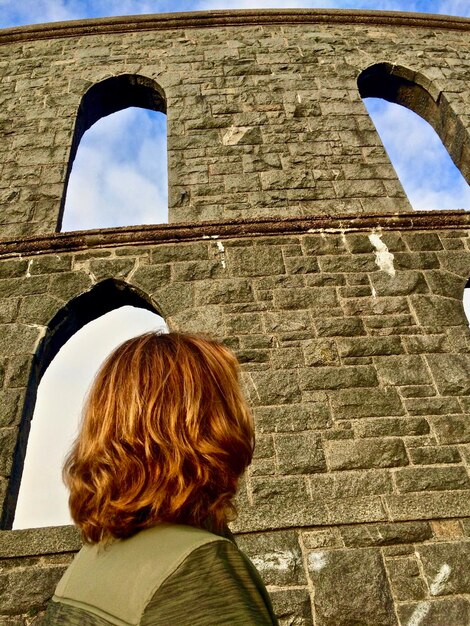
[{"x": 165, "y": 436}]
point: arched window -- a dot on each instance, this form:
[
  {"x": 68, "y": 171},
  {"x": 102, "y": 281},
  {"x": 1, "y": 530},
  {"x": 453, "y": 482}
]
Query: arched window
[
  {"x": 78, "y": 339},
  {"x": 420, "y": 140},
  {"x": 117, "y": 173}
]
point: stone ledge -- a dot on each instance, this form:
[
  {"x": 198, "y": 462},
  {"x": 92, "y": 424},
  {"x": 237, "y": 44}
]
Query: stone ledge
[
  {"x": 221, "y": 18},
  {"x": 240, "y": 228},
  {"x": 39, "y": 541}
]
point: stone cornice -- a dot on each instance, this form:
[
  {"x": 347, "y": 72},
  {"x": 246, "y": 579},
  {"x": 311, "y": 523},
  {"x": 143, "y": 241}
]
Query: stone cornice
[
  {"x": 214, "y": 19},
  {"x": 191, "y": 231}
]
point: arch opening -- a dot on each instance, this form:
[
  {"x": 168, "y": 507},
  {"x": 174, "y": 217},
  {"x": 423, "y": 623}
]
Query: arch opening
[
  {"x": 430, "y": 150},
  {"x": 117, "y": 170},
  {"x": 77, "y": 341}
]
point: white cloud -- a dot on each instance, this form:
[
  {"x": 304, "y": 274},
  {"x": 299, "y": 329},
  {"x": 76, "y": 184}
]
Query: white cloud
[{"x": 119, "y": 176}]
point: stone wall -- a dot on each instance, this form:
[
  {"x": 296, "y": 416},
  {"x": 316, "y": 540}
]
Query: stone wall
[{"x": 351, "y": 331}]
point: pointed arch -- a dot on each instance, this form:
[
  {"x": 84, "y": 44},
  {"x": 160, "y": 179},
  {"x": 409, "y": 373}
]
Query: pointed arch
[
  {"x": 401, "y": 85},
  {"x": 104, "y": 297},
  {"x": 105, "y": 98}
]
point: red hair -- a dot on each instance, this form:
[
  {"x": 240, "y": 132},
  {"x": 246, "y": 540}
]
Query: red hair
[{"x": 165, "y": 436}]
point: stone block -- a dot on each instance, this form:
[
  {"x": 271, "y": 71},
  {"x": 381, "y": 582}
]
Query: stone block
[
  {"x": 14, "y": 287},
  {"x": 455, "y": 612},
  {"x": 429, "y": 455},
  {"x": 67, "y": 285},
  {"x": 12, "y": 268},
  {"x": 49, "y": 264},
  {"x": 431, "y": 505},
  {"x": 431, "y": 478},
  {"x": 402, "y": 283},
  {"x": 347, "y": 263},
  {"x": 293, "y": 418},
  {"x": 403, "y": 370},
  {"x": 255, "y": 261},
  {"x": 451, "y": 373},
  {"x": 173, "y": 298},
  {"x": 276, "y": 556},
  {"x": 111, "y": 268},
  {"x": 369, "y": 346},
  {"x": 339, "y": 327},
  {"x": 27, "y": 589},
  {"x": 19, "y": 338},
  {"x": 320, "y": 352},
  {"x": 300, "y": 453},
  {"x": 223, "y": 292},
  {"x": 11, "y": 402},
  {"x": 38, "y": 309},
  {"x": 274, "y": 387},
  {"x": 446, "y": 567},
  {"x": 287, "y": 321},
  {"x": 433, "y": 406},
  {"x": 392, "y": 427},
  {"x": 432, "y": 310},
  {"x": 423, "y": 241},
  {"x": 181, "y": 251},
  {"x": 361, "y": 599},
  {"x": 364, "y": 454},
  {"x": 353, "y": 403},
  {"x": 292, "y": 606},
  {"x": 452, "y": 429},
  {"x": 320, "y": 378},
  {"x": 8, "y": 309},
  {"x": 405, "y": 579},
  {"x": 194, "y": 270},
  {"x": 336, "y": 486},
  {"x": 386, "y": 534},
  {"x": 324, "y": 298},
  {"x": 446, "y": 284}
]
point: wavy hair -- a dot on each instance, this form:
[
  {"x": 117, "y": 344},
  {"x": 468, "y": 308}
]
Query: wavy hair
[{"x": 165, "y": 436}]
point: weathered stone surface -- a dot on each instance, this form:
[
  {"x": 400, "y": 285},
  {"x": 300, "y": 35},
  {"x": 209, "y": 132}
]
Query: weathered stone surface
[
  {"x": 446, "y": 567},
  {"x": 431, "y": 478},
  {"x": 342, "y": 455},
  {"x": 352, "y": 403},
  {"x": 334, "y": 486},
  {"x": 436, "y": 504},
  {"x": 392, "y": 427},
  {"x": 403, "y": 370},
  {"x": 386, "y": 534},
  {"x": 430, "y": 309},
  {"x": 434, "y": 613},
  {"x": 292, "y": 606},
  {"x": 451, "y": 372},
  {"x": 363, "y": 599},
  {"x": 272, "y": 387},
  {"x": 300, "y": 453},
  {"x": 22, "y": 590},
  {"x": 452, "y": 429},
  {"x": 293, "y": 418},
  {"x": 405, "y": 579},
  {"x": 255, "y": 261},
  {"x": 336, "y": 377},
  {"x": 276, "y": 556}
]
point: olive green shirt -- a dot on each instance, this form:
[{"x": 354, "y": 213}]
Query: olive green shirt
[{"x": 166, "y": 575}]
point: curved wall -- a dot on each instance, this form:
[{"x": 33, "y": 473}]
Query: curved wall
[{"x": 344, "y": 308}]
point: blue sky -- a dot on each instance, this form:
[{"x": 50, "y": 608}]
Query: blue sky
[{"x": 106, "y": 172}]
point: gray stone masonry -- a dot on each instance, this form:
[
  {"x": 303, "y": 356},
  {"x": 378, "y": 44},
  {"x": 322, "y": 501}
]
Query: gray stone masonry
[{"x": 343, "y": 307}]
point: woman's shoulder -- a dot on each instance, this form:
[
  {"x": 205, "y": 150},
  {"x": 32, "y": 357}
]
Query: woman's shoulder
[{"x": 117, "y": 580}]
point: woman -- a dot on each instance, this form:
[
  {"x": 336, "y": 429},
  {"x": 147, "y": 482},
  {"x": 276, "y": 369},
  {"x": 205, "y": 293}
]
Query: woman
[{"x": 166, "y": 435}]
